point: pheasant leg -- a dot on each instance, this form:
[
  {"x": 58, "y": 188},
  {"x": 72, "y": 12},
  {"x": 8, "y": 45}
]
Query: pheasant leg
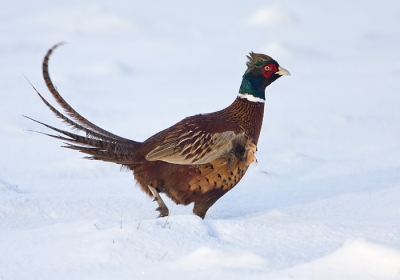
[
  {"x": 162, "y": 208},
  {"x": 200, "y": 209}
]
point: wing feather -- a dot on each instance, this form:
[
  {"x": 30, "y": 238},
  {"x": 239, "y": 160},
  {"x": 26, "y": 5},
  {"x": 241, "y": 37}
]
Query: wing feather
[{"x": 195, "y": 147}]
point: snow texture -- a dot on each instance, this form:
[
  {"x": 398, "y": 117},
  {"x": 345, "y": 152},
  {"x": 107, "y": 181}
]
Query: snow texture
[{"x": 323, "y": 202}]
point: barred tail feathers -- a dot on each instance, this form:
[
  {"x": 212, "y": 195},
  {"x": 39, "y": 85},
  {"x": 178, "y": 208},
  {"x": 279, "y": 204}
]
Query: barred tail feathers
[
  {"x": 98, "y": 143},
  {"x": 68, "y": 109},
  {"x": 120, "y": 152}
]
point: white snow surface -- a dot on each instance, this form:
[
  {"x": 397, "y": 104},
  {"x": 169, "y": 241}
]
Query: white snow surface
[{"x": 323, "y": 202}]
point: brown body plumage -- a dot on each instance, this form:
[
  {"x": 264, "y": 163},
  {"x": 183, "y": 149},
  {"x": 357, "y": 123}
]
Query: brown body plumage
[{"x": 198, "y": 159}]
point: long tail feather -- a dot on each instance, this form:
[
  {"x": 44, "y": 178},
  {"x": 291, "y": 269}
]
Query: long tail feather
[
  {"x": 104, "y": 155},
  {"x": 74, "y": 125},
  {"x": 98, "y": 143},
  {"x": 116, "y": 152},
  {"x": 78, "y": 138},
  {"x": 68, "y": 109}
]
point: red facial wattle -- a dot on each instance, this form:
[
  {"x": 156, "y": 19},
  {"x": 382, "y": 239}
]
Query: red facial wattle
[{"x": 268, "y": 70}]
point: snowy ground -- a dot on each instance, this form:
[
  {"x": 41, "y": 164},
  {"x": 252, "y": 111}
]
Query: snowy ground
[{"x": 324, "y": 200}]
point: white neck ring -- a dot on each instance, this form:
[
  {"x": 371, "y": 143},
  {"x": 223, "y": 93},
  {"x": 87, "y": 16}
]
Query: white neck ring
[{"x": 251, "y": 98}]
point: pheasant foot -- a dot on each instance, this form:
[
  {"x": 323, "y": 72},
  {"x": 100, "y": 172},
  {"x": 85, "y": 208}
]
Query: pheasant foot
[{"x": 162, "y": 208}]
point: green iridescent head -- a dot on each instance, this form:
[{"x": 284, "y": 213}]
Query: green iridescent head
[{"x": 261, "y": 71}]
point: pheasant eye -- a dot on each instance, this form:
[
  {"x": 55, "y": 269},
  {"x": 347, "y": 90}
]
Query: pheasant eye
[{"x": 267, "y": 70}]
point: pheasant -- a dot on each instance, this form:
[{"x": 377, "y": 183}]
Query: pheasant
[{"x": 199, "y": 159}]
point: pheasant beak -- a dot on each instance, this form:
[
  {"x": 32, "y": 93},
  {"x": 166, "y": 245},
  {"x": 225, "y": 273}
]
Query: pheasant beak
[{"x": 282, "y": 71}]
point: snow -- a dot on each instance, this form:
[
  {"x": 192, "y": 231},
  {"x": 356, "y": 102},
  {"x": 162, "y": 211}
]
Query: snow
[{"x": 323, "y": 200}]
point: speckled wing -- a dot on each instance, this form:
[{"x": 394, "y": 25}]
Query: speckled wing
[{"x": 195, "y": 146}]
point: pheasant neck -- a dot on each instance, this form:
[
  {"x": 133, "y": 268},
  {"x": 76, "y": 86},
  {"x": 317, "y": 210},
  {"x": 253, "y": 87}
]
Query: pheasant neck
[
  {"x": 249, "y": 114},
  {"x": 252, "y": 88}
]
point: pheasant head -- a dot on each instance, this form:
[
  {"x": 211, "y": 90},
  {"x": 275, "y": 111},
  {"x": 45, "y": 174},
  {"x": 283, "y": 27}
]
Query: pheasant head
[{"x": 262, "y": 71}]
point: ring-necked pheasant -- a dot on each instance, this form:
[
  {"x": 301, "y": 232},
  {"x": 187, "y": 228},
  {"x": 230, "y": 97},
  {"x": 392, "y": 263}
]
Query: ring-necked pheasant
[{"x": 199, "y": 159}]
